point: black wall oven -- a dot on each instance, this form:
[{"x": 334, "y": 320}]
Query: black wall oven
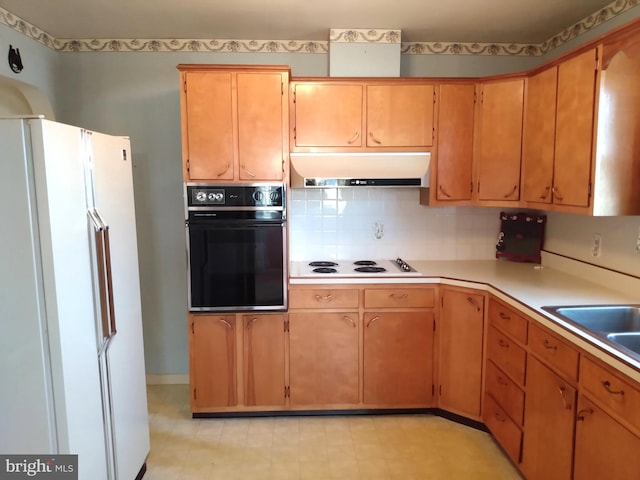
[{"x": 236, "y": 247}]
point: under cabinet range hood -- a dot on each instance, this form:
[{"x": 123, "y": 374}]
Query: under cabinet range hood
[{"x": 329, "y": 170}]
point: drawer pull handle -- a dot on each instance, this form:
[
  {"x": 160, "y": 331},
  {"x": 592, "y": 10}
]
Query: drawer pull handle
[
  {"x": 515, "y": 189},
  {"x": 582, "y": 413},
  {"x": 607, "y": 386},
  {"x": 443, "y": 191},
  {"x": 562, "y": 390},
  {"x": 251, "y": 322},
  {"x": 375, "y": 140},
  {"x": 226, "y": 324},
  {"x": 249, "y": 172},
  {"x": 398, "y": 296},
  {"x": 473, "y": 302},
  {"x": 374, "y": 319},
  {"x": 503, "y": 344},
  {"x": 350, "y": 320},
  {"x": 499, "y": 417},
  {"x": 502, "y": 381},
  {"x": 354, "y": 138},
  {"x": 222, "y": 172},
  {"x": 504, "y": 316},
  {"x": 545, "y": 193},
  {"x": 324, "y": 298},
  {"x": 548, "y": 345}
]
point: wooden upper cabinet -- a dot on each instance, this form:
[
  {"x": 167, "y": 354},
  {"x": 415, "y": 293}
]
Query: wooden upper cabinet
[
  {"x": 207, "y": 126},
  {"x": 234, "y": 123},
  {"x": 262, "y": 133},
  {"x": 539, "y": 136},
  {"x": 399, "y": 116},
  {"x": 452, "y": 165},
  {"x": 616, "y": 189},
  {"x": 361, "y": 116},
  {"x": 326, "y": 115},
  {"x": 574, "y": 130},
  {"x": 500, "y": 141}
]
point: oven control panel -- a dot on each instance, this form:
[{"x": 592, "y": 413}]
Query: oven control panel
[{"x": 202, "y": 195}]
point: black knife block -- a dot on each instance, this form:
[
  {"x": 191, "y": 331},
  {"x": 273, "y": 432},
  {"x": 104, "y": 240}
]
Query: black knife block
[{"x": 521, "y": 237}]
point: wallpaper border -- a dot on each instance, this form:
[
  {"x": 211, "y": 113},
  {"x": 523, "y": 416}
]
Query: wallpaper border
[{"x": 312, "y": 47}]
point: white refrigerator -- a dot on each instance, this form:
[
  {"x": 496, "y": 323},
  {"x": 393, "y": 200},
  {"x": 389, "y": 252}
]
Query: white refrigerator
[{"x": 72, "y": 378}]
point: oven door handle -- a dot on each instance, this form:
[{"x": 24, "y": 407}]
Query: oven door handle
[{"x": 209, "y": 225}]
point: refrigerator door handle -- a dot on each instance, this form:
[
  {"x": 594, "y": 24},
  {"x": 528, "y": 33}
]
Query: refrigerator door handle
[
  {"x": 107, "y": 250},
  {"x": 99, "y": 239}
]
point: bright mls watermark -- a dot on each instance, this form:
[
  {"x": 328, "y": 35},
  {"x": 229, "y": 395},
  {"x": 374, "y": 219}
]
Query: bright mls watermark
[{"x": 51, "y": 467}]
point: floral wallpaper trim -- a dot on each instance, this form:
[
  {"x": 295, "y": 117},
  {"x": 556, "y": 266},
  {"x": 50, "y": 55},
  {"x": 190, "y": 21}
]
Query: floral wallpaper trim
[
  {"x": 302, "y": 46},
  {"x": 364, "y": 36}
]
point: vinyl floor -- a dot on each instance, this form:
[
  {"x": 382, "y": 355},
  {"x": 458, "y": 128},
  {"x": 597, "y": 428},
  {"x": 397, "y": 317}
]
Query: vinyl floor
[{"x": 389, "y": 447}]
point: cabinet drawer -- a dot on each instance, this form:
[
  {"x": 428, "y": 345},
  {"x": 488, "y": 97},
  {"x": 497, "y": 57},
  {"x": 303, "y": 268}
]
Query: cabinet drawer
[
  {"x": 505, "y": 431},
  {"x": 506, "y": 393},
  {"x": 559, "y": 354},
  {"x": 323, "y": 298},
  {"x": 619, "y": 395},
  {"x": 508, "y": 320},
  {"x": 506, "y": 354},
  {"x": 399, "y": 298}
]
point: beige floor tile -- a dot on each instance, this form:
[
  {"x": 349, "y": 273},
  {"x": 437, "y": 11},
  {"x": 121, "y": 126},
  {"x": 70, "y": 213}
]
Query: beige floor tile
[{"x": 389, "y": 447}]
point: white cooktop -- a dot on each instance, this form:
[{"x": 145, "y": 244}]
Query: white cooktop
[{"x": 346, "y": 268}]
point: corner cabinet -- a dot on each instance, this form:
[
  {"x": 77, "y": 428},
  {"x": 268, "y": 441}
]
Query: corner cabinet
[
  {"x": 460, "y": 336},
  {"x": 235, "y": 123},
  {"x": 581, "y": 133},
  {"x": 348, "y": 115}
]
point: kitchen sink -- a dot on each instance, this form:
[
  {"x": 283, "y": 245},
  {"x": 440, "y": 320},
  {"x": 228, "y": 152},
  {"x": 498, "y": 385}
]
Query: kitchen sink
[
  {"x": 602, "y": 318},
  {"x": 618, "y": 325},
  {"x": 627, "y": 340}
]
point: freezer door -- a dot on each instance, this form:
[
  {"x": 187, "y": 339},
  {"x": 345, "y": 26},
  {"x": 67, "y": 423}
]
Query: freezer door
[{"x": 114, "y": 203}]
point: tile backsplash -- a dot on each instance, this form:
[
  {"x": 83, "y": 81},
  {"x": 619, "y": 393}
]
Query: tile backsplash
[{"x": 357, "y": 223}]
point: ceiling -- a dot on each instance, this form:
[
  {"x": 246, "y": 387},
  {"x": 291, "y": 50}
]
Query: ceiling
[{"x": 482, "y": 21}]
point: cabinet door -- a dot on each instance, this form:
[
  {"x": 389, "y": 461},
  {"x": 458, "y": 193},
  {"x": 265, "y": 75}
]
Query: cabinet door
[
  {"x": 548, "y": 424},
  {"x": 398, "y": 364},
  {"x": 263, "y": 359},
  {"x": 454, "y": 162},
  {"x": 500, "y": 141},
  {"x": 328, "y": 115},
  {"x": 213, "y": 361},
  {"x": 323, "y": 365},
  {"x": 399, "y": 116},
  {"x": 208, "y": 132},
  {"x": 604, "y": 448},
  {"x": 574, "y": 130},
  {"x": 460, "y": 338},
  {"x": 261, "y": 126},
  {"x": 539, "y": 135}
]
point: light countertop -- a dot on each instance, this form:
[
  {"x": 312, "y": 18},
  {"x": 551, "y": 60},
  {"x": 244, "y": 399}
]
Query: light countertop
[{"x": 524, "y": 286}]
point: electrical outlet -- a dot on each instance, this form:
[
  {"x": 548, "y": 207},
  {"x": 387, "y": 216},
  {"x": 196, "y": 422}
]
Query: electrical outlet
[{"x": 597, "y": 245}]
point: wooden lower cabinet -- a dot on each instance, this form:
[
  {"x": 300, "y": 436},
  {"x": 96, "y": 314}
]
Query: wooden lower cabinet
[
  {"x": 505, "y": 431},
  {"x": 323, "y": 358},
  {"x": 398, "y": 359},
  {"x": 264, "y": 359},
  {"x": 549, "y": 413},
  {"x": 213, "y": 362},
  {"x": 460, "y": 338},
  {"x": 604, "y": 448}
]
